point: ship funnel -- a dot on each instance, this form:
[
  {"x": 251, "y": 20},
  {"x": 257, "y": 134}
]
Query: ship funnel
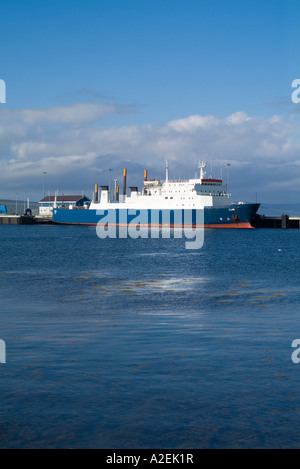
[
  {"x": 96, "y": 192},
  {"x": 145, "y": 175},
  {"x": 104, "y": 194},
  {"x": 124, "y": 182},
  {"x": 134, "y": 191}
]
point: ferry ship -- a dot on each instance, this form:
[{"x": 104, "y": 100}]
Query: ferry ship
[{"x": 163, "y": 202}]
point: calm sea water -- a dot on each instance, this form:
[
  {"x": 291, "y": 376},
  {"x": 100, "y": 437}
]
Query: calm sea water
[{"x": 144, "y": 344}]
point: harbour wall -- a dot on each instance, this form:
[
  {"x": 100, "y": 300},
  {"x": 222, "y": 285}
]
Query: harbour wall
[
  {"x": 16, "y": 220},
  {"x": 283, "y": 221},
  {"x": 23, "y": 220},
  {"x": 259, "y": 221}
]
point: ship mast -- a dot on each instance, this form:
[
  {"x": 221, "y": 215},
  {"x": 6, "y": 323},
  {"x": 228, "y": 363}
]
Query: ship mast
[
  {"x": 167, "y": 171},
  {"x": 201, "y": 166}
]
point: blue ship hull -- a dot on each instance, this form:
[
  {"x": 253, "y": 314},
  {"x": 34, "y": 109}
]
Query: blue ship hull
[{"x": 232, "y": 216}]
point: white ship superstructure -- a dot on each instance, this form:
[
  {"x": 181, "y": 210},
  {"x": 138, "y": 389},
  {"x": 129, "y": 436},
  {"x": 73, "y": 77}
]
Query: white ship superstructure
[
  {"x": 156, "y": 194},
  {"x": 168, "y": 198}
]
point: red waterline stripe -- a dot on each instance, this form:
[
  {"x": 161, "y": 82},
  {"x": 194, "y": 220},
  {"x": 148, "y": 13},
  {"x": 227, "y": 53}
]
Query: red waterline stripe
[{"x": 229, "y": 225}]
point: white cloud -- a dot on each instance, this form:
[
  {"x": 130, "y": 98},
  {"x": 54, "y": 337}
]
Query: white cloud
[
  {"x": 68, "y": 140},
  {"x": 237, "y": 118},
  {"x": 78, "y": 113},
  {"x": 194, "y": 123}
]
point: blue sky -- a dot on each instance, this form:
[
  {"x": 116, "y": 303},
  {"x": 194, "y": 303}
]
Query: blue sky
[{"x": 110, "y": 83}]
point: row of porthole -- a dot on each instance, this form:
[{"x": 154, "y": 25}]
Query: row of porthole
[{"x": 185, "y": 198}]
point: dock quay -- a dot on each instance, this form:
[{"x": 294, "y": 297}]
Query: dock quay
[
  {"x": 23, "y": 220},
  {"x": 259, "y": 221},
  {"x": 17, "y": 220},
  {"x": 283, "y": 221},
  {"x": 40, "y": 219}
]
